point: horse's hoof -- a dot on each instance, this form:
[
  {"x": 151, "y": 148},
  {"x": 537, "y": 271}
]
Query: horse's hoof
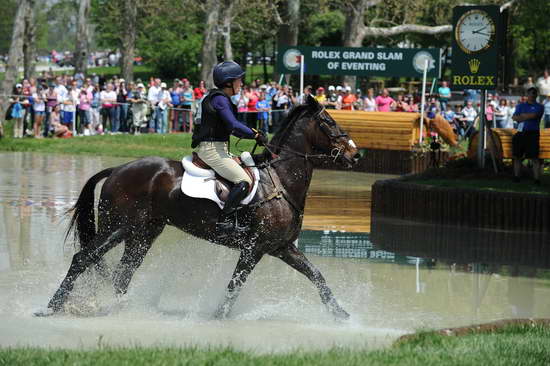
[
  {"x": 340, "y": 314},
  {"x": 44, "y": 312}
]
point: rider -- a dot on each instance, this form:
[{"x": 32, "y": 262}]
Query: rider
[{"x": 211, "y": 137}]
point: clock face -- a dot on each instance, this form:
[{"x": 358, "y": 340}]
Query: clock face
[{"x": 475, "y": 31}]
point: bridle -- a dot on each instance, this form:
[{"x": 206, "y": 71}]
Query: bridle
[{"x": 325, "y": 124}]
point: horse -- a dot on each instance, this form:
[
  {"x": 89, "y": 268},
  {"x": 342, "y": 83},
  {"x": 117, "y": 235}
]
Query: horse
[{"x": 139, "y": 198}]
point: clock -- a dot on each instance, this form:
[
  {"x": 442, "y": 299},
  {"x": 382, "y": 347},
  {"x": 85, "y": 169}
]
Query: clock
[{"x": 475, "y": 31}]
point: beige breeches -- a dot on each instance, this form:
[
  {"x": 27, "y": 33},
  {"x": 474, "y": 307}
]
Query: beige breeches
[{"x": 215, "y": 154}]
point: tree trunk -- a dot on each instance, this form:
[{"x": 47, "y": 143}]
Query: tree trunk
[
  {"x": 29, "y": 41},
  {"x": 15, "y": 55},
  {"x": 289, "y": 28},
  {"x": 129, "y": 40},
  {"x": 227, "y": 19},
  {"x": 355, "y": 16},
  {"x": 82, "y": 35},
  {"x": 208, "y": 52}
]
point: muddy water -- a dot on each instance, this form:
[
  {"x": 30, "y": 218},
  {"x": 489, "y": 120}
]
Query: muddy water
[{"x": 175, "y": 292}]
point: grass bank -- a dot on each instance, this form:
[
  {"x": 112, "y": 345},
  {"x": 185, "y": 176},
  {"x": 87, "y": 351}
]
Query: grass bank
[
  {"x": 512, "y": 345},
  {"x": 464, "y": 173},
  {"x": 172, "y": 146}
]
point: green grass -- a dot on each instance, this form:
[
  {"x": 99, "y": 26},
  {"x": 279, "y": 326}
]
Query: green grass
[
  {"x": 512, "y": 345},
  {"x": 172, "y": 146},
  {"x": 464, "y": 173}
]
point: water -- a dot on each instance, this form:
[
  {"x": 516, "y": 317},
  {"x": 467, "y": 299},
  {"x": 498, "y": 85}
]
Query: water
[{"x": 182, "y": 280}]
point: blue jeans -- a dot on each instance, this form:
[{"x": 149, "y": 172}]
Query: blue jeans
[
  {"x": 264, "y": 126},
  {"x": 115, "y": 123},
  {"x": 122, "y": 112},
  {"x": 157, "y": 121},
  {"x": 547, "y": 121}
]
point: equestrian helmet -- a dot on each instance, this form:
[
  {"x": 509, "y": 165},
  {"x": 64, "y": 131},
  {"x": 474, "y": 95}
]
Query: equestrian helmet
[{"x": 225, "y": 72}]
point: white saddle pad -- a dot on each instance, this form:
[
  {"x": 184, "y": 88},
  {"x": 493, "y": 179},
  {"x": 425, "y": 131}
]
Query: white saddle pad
[{"x": 200, "y": 183}]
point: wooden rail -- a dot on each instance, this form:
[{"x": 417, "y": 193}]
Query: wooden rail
[
  {"x": 502, "y": 138},
  {"x": 380, "y": 130}
]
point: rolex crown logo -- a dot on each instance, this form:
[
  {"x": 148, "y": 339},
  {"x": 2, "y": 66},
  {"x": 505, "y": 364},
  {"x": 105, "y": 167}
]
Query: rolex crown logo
[{"x": 474, "y": 65}]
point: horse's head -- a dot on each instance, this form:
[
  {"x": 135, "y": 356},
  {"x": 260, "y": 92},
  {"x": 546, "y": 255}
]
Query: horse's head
[{"x": 325, "y": 136}]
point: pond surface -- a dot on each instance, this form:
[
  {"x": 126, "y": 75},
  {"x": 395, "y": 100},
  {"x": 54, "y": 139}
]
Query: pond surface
[{"x": 175, "y": 292}]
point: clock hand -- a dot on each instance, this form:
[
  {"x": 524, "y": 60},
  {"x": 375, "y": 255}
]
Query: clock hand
[
  {"x": 483, "y": 34},
  {"x": 479, "y": 30}
]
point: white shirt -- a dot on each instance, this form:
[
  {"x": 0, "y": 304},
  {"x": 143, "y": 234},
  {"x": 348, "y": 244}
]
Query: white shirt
[
  {"x": 469, "y": 113},
  {"x": 152, "y": 94},
  {"x": 544, "y": 86},
  {"x": 62, "y": 94},
  {"x": 370, "y": 104},
  {"x": 163, "y": 99},
  {"x": 109, "y": 96}
]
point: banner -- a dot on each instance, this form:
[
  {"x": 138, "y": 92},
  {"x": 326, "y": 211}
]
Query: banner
[{"x": 360, "y": 61}]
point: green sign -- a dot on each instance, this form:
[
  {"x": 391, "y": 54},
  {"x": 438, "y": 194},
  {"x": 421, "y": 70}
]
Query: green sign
[
  {"x": 476, "y": 37},
  {"x": 361, "y": 61}
]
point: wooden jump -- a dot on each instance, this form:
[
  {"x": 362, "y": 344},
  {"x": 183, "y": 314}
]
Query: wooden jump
[
  {"x": 503, "y": 143},
  {"x": 380, "y": 130}
]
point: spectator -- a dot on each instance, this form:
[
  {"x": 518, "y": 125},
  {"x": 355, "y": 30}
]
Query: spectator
[
  {"x": 95, "y": 121},
  {"x": 177, "y": 114},
  {"x": 432, "y": 109},
  {"x": 501, "y": 114},
  {"x": 51, "y": 103},
  {"x": 39, "y": 106},
  {"x": 547, "y": 112},
  {"x": 470, "y": 95},
  {"x": 332, "y": 97},
  {"x": 17, "y": 114},
  {"x": 444, "y": 95},
  {"x": 186, "y": 104},
  {"x": 121, "y": 106},
  {"x": 359, "y": 103},
  {"x": 153, "y": 98},
  {"x": 108, "y": 100},
  {"x": 528, "y": 84},
  {"x": 69, "y": 105},
  {"x": 339, "y": 96},
  {"x": 525, "y": 143},
  {"x": 489, "y": 114},
  {"x": 59, "y": 130},
  {"x": 469, "y": 115},
  {"x": 139, "y": 108},
  {"x": 320, "y": 96},
  {"x": 543, "y": 85},
  {"x": 449, "y": 114},
  {"x": 252, "y": 115},
  {"x": 263, "y": 113},
  {"x": 200, "y": 90},
  {"x": 242, "y": 102},
  {"x": 400, "y": 104},
  {"x": 282, "y": 103},
  {"x": 348, "y": 99},
  {"x": 163, "y": 105},
  {"x": 370, "y": 102},
  {"x": 384, "y": 103},
  {"x": 84, "y": 105}
]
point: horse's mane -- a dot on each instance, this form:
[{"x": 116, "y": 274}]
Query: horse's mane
[{"x": 295, "y": 113}]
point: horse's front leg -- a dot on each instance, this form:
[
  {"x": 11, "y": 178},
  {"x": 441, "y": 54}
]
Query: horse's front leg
[
  {"x": 297, "y": 260},
  {"x": 247, "y": 261}
]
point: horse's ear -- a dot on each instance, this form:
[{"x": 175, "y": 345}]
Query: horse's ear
[{"x": 312, "y": 102}]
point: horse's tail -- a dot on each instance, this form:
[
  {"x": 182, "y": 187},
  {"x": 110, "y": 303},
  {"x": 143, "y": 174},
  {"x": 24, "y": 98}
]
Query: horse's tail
[{"x": 83, "y": 220}]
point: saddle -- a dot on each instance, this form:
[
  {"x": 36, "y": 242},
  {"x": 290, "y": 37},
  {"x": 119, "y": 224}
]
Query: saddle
[{"x": 201, "y": 181}]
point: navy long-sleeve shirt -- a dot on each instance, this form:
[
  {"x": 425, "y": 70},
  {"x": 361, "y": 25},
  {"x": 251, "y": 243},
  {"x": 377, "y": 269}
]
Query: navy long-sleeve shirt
[{"x": 237, "y": 128}]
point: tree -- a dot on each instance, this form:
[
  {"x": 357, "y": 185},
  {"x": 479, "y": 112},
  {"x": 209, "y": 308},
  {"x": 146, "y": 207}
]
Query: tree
[
  {"x": 129, "y": 40},
  {"x": 29, "y": 41},
  {"x": 15, "y": 54},
  {"x": 82, "y": 35},
  {"x": 208, "y": 52},
  {"x": 227, "y": 20}
]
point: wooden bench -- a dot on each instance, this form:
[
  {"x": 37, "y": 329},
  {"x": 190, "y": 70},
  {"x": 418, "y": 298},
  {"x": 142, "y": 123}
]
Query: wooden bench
[
  {"x": 380, "y": 130},
  {"x": 503, "y": 143}
]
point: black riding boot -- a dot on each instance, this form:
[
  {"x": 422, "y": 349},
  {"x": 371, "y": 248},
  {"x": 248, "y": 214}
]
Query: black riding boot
[{"x": 226, "y": 221}]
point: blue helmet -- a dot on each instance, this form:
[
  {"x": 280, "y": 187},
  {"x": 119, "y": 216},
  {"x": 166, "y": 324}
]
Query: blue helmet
[{"x": 225, "y": 72}]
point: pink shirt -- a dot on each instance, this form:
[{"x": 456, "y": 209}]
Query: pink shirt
[
  {"x": 384, "y": 103},
  {"x": 85, "y": 100}
]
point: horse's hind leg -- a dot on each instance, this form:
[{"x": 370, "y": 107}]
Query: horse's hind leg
[
  {"x": 247, "y": 261},
  {"x": 83, "y": 260},
  {"x": 297, "y": 260},
  {"x": 135, "y": 249}
]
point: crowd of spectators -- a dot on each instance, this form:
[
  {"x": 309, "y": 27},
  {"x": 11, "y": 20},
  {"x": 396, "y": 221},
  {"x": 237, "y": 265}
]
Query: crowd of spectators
[{"x": 67, "y": 104}]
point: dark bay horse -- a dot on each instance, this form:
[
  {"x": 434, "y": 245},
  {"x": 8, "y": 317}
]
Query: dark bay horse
[{"x": 140, "y": 198}]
